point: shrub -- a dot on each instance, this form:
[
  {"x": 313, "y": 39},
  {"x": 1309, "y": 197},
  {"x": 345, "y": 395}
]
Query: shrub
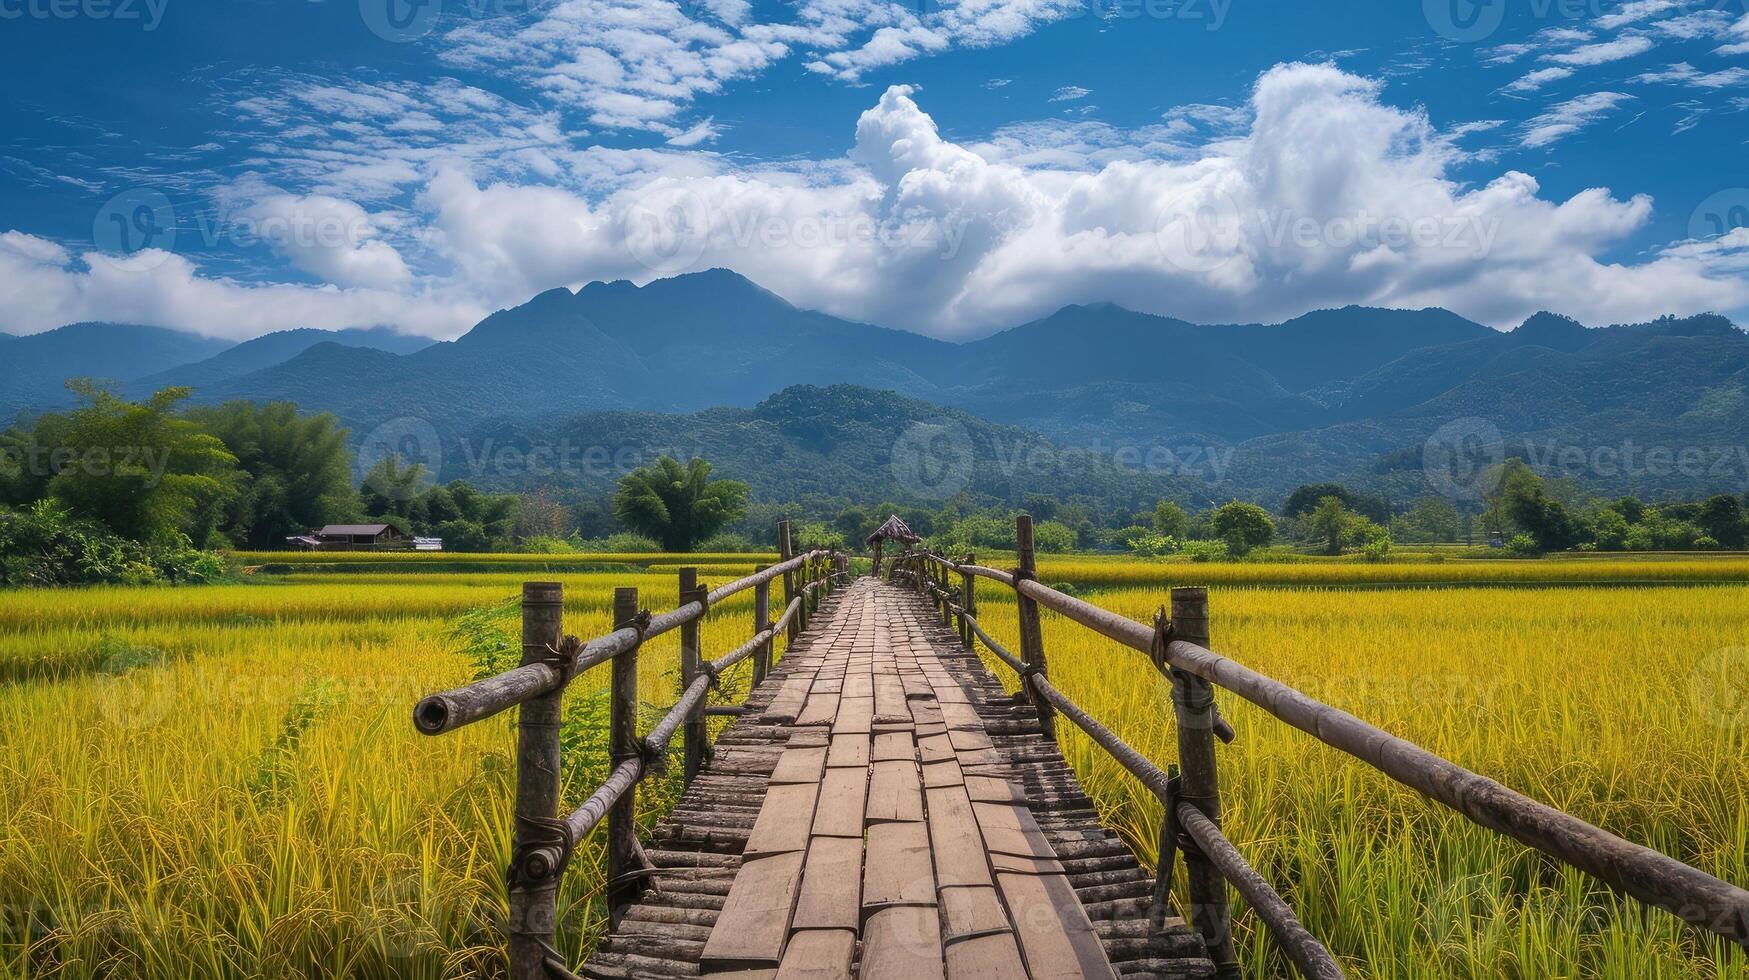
[
  {"x": 46, "y": 546},
  {"x": 1377, "y": 549},
  {"x": 622, "y": 543},
  {"x": 1523, "y": 545},
  {"x": 1706, "y": 543},
  {"x": 1206, "y": 550},
  {"x": 727, "y": 544}
]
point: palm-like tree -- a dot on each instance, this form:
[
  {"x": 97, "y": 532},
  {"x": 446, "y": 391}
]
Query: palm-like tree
[{"x": 678, "y": 503}]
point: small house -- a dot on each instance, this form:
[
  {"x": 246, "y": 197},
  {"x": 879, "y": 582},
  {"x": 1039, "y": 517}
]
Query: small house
[{"x": 351, "y": 537}]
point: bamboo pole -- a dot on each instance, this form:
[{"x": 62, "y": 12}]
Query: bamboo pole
[
  {"x": 622, "y": 828},
  {"x": 968, "y": 604},
  {"x": 1032, "y": 639},
  {"x": 761, "y": 623},
  {"x": 693, "y": 741},
  {"x": 533, "y": 886},
  {"x": 786, "y": 551},
  {"x": 1193, "y": 700}
]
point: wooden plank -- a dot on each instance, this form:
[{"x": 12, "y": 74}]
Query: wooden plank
[
  {"x": 1020, "y": 864},
  {"x": 818, "y": 954},
  {"x": 894, "y": 746},
  {"x": 848, "y": 750},
  {"x": 902, "y": 942},
  {"x": 944, "y": 773},
  {"x": 992, "y": 957},
  {"x": 754, "y": 923},
  {"x": 820, "y": 710},
  {"x": 990, "y": 789},
  {"x": 895, "y": 792},
  {"x": 1055, "y": 935},
  {"x": 898, "y": 870},
  {"x": 955, "y": 839},
  {"x": 800, "y": 765},
  {"x": 1009, "y": 829},
  {"x": 970, "y": 912},
  {"x": 831, "y": 895},
  {"x": 968, "y": 740},
  {"x": 855, "y": 716},
  {"x": 785, "y": 819},
  {"x": 934, "y": 748},
  {"x": 842, "y": 794}
]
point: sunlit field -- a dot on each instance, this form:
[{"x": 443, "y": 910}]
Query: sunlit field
[
  {"x": 223, "y": 780},
  {"x": 1626, "y": 707}
]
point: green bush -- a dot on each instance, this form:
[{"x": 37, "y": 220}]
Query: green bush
[
  {"x": 45, "y": 546},
  {"x": 623, "y": 543}
]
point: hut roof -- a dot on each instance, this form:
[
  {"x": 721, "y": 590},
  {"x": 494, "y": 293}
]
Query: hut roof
[{"x": 893, "y": 528}]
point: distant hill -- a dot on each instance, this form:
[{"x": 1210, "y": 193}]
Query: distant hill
[
  {"x": 274, "y": 348},
  {"x": 1335, "y": 394},
  {"x": 34, "y": 371}
]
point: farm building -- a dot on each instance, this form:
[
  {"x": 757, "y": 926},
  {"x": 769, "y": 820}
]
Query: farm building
[{"x": 351, "y": 537}]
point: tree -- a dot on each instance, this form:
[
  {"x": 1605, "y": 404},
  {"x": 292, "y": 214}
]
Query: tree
[
  {"x": 678, "y": 503},
  {"x": 1243, "y": 526},
  {"x": 1544, "y": 519},
  {"x": 1171, "y": 520},
  {"x": 1431, "y": 519},
  {"x": 1305, "y": 499},
  {"x": 138, "y": 469},
  {"x": 296, "y": 470},
  {"x": 1053, "y": 537},
  {"x": 1721, "y": 517}
]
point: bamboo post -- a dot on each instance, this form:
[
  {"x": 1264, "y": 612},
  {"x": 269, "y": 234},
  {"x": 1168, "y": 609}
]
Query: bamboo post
[
  {"x": 761, "y": 623},
  {"x": 968, "y": 602},
  {"x": 786, "y": 551},
  {"x": 622, "y": 828},
  {"x": 534, "y": 872},
  {"x": 693, "y": 735},
  {"x": 1032, "y": 639},
  {"x": 1193, "y": 700}
]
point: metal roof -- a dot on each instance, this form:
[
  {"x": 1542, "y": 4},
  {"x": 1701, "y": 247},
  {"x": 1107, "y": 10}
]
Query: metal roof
[{"x": 357, "y": 529}]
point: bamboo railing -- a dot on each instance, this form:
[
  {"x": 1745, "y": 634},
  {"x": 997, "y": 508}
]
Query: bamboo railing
[
  {"x": 542, "y": 840},
  {"x": 1178, "y": 645}
]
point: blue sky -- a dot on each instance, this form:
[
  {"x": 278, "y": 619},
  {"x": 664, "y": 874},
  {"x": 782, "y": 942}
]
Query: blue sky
[{"x": 232, "y": 168}]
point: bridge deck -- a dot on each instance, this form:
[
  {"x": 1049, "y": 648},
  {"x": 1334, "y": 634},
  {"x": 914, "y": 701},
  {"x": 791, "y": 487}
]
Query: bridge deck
[{"x": 885, "y": 810}]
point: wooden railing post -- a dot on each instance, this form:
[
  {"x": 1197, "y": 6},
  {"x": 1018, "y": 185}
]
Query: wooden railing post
[
  {"x": 622, "y": 826},
  {"x": 761, "y": 623},
  {"x": 693, "y": 733},
  {"x": 535, "y": 866},
  {"x": 1193, "y": 700},
  {"x": 786, "y": 551},
  {"x": 968, "y": 601},
  {"x": 1032, "y": 638}
]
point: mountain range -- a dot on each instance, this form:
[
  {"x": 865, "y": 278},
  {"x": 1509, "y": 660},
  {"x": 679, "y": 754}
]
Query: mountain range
[{"x": 1347, "y": 394}]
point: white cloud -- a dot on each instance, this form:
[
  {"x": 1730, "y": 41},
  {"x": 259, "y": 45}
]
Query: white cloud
[
  {"x": 1636, "y": 11},
  {"x": 1317, "y": 193},
  {"x": 43, "y": 286},
  {"x": 1740, "y": 32},
  {"x": 328, "y": 237},
  {"x": 1539, "y": 78},
  {"x": 1566, "y": 118},
  {"x": 1627, "y": 46},
  {"x": 1070, "y": 93},
  {"x": 1683, "y": 73}
]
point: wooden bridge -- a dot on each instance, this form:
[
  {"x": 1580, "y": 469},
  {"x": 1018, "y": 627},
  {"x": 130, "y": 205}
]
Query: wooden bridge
[{"x": 881, "y": 809}]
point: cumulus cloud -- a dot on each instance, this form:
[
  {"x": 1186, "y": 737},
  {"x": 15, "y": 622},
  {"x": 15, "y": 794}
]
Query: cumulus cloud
[
  {"x": 1317, "y": 192},
  {"x": 330, "y": 238},
  {"x": 42, "y": 286}
]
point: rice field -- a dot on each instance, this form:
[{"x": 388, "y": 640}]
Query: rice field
[{"x": 222, "y": 781}]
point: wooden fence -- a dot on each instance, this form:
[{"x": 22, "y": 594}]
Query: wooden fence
[
  {"x": 1178, "y": 645},
  {"x": 543, "y": 839}
]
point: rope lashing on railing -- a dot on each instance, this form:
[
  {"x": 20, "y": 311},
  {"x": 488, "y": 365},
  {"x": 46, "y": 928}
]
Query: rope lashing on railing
[
  {"x": 563, "y": 658},
  {"x": 544, "y": 856}
]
